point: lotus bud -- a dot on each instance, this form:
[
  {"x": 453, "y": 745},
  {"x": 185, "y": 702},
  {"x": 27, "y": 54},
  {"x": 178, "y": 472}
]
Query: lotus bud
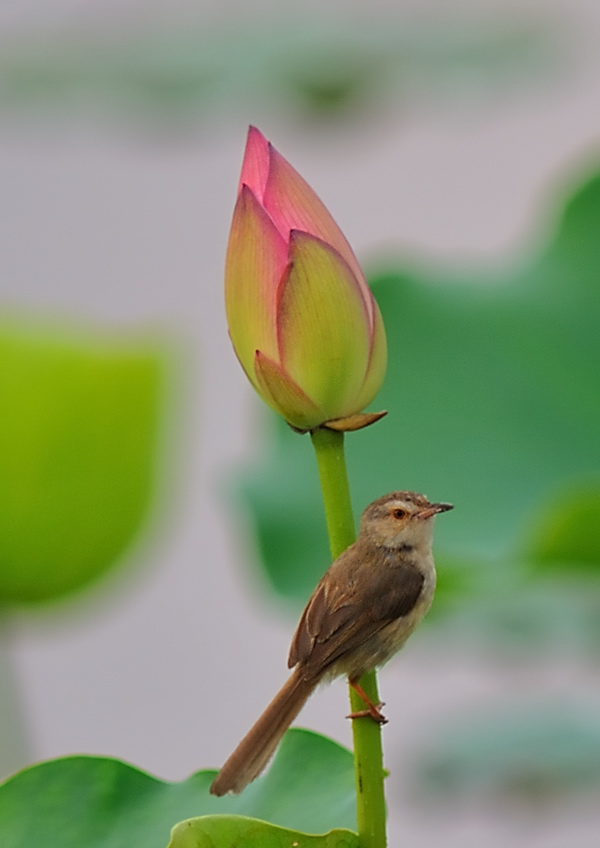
[{"x": 302, "y": 319}]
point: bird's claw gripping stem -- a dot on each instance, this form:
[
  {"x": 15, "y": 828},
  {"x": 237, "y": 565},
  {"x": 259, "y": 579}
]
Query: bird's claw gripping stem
[{"x": 373, "y": 711}]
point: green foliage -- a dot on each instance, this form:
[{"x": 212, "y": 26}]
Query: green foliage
[
  {"x": 566, "y": 534},
  {"x": 334, "y": 68},
  {"x": 103, "y": 803},
  {"x": 525, "y": 755},
  {"x": 492, "y": 392},
  {"x": 241, "y": 832},
  {"x": 78, "y": 444}
]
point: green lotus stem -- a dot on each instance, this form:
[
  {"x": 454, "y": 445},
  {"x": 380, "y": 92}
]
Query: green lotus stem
[
  {"x": 14, "y": 745},
  {"x": 368, "y": 753}
]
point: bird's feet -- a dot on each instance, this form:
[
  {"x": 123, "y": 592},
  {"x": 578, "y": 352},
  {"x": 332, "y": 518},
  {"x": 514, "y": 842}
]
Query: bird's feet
[{"x": 373, "y": 711}]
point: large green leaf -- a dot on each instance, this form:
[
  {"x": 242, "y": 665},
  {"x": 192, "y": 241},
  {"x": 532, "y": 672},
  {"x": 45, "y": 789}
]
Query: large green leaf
[
  {"x": 79, "y": 431},
  {"x": 493, "y": 399},
  {"x": 103, "y": 803},
  {"x": 242, "y": 832}
]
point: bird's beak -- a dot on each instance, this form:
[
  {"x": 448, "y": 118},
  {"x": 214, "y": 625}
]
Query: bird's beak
[{"x": 433, "y": 509}]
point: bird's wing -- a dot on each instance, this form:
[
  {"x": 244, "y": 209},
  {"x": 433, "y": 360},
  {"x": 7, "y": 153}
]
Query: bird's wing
[{"x": 340, "y": 618}]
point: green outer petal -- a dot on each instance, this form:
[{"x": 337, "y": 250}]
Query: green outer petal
[
  {"x": 323, "y": 327},
  {"x": 256, "y": 260},
  {"x": 293, "y": 205},
  {"x": 377, "y": 363},
  {"x": 283, "y": 395}
]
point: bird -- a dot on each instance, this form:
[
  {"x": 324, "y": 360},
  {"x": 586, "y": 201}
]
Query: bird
[{"x": 361, "y": 613}]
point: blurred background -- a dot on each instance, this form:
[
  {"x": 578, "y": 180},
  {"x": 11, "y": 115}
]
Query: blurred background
[{"x": 159, "y": 531}]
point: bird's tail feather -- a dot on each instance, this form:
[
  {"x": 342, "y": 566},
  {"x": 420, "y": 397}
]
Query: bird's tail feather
[{"x": 259, "y": 744}]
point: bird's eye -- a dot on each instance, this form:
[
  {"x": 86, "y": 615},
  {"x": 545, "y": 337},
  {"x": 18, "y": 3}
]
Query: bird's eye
[{"x": 399, "y": 513}]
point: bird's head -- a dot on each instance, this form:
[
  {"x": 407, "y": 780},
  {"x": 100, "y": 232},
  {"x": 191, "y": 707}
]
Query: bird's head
[{"x": 401, "y": 519}]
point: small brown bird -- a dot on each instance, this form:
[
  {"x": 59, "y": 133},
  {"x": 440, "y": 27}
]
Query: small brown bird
[{"x": 363, "y": 610}]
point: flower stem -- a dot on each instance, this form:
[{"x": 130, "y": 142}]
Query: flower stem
[
  {"x": 14, "y": 745},
  {"x": 329, "y": 448},
  {"x": 368, "y": 754}
]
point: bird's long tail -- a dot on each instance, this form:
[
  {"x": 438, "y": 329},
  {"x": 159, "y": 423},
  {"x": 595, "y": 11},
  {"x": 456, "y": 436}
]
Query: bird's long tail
[{"x": 259, "y": 744}]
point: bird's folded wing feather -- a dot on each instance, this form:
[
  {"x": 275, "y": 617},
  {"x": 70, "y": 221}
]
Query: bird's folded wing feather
[{"x": 337, "y": 620}]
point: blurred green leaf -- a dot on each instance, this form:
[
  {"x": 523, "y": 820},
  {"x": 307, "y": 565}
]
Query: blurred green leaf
[
  {"x": 516, "y": 613},
  {"x": 103, "y": 803},
  {"x": 237, "y": 831},
  {"x": 530, "y": 755},
  {"x": 327, "y": 69},
  {"x": 565, "y": 536},
  {"x": 78, "y": 452},
  {"x": 492, "y": 392}
]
